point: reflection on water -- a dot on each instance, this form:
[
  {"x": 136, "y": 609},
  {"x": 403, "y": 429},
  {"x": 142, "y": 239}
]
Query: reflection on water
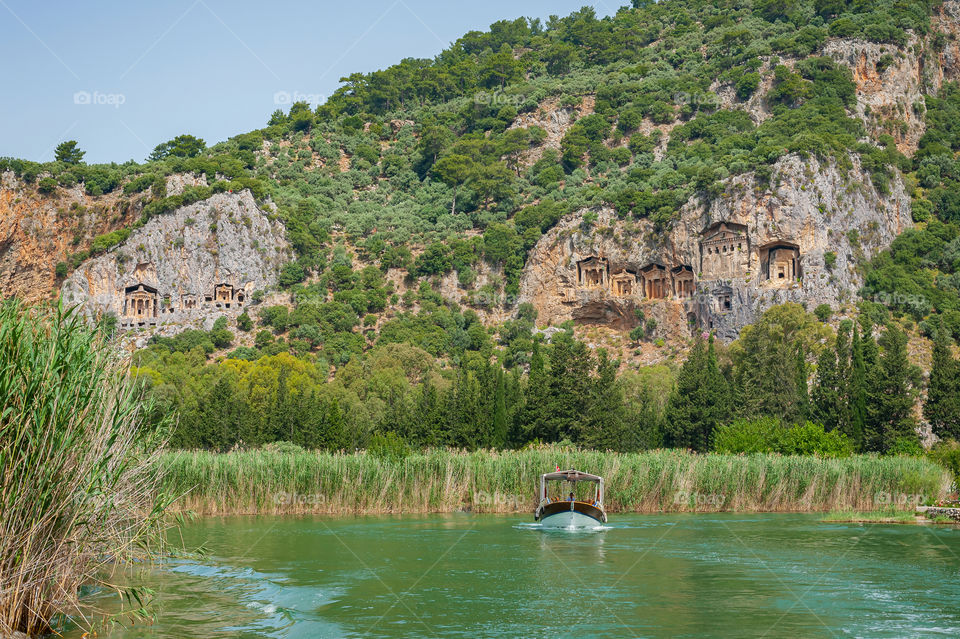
[{"x": 500, "y": 576}]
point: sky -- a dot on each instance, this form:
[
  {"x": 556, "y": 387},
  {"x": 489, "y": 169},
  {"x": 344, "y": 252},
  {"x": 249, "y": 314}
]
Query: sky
[{"x": 121, "y": 77}]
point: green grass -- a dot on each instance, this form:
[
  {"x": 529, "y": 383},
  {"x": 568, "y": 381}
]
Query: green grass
[
  {"x": 289, "y": 481},
  {"x": 883, "y": 516}
]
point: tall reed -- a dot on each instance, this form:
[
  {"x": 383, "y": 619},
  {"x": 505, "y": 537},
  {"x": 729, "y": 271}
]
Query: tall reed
[
  {"x": 270, "y": 481},
  {"x": 78, "y": 470}
]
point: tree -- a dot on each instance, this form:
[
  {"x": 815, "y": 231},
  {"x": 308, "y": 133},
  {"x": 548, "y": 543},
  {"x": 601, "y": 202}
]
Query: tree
[
  {"x": 182, "y": 146},
  {"x": 700, "y": 402},
  {"x": 69, "y": 153},
  {"x": 770, "y": 361},
  {"x": 499, "y": 435},
  {"x": 606, "y": 424},
  {"x": 892, "y": 394},
  {"x": 942, "y": 406},
  {"x": 531, "y": 418},
  {"x": 827, "y": 396},
  {"x": 570, "y": 388},
  {"x": 802, "y": 408},
  {"x": 453, "y": 170},
  {"x": 857, "y": 392}
]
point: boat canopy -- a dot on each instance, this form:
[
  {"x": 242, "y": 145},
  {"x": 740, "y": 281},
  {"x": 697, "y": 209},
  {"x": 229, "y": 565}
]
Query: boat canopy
[{"x": 572, "y": 475}]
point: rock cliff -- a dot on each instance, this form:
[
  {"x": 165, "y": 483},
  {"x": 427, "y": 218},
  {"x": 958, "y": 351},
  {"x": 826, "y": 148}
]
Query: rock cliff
[
  {"x": 180, "y": 268},
  {"x": 723, "y": 262},
  {"x": 37, "y": 231}
]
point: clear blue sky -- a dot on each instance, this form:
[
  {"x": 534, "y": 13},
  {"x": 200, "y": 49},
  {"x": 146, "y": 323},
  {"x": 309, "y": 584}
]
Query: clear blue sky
[{"x": 121, "y": 77}]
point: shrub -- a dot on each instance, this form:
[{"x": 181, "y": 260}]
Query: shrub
[
  {"x": 47, "y": 185},
  {"x": 823, "y": 312},
  {"x": 947, "y": 454},
  {"x": 829, "y": 260},
  {"x": 768, "y": 435},
  {"x": 244, "y": 323}
]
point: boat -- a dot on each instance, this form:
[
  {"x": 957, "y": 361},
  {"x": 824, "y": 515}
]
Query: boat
[{"x": 566, "y": 510}]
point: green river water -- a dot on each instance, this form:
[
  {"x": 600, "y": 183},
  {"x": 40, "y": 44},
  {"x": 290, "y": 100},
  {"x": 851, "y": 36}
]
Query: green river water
[{"x": 727, "y": 575}]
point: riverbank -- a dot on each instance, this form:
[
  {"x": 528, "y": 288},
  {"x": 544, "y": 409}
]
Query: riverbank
[
  {"x": 297, "y": 481},
  {"x": 919, "y": 515}
]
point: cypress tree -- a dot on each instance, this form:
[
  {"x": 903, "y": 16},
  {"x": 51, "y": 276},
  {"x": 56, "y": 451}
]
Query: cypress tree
[
  {"x": 569, "y": 388},
  {"x": 606, "y": 426},
  {"x": 532, "y": 419},
  {"x": 827, "y": 398},
  {"x": 429, "y": 419},
  {"x": 499, "y": 436},
  {"x": 892, "y": 394},
  {"x": 802, "y": 411},
  {"x": 942, "y": 406},
  {"x": 699, "y": 402},
  {"x": 857, "y": 392}
]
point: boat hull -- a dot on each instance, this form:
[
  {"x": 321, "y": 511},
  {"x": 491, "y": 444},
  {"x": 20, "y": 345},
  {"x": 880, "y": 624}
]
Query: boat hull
[{"x": 565, "y": 514}]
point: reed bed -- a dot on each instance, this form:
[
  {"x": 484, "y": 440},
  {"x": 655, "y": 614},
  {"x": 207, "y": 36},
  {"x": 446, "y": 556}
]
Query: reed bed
[
  {"x": 78, "y": 470},
  {"x": 280, "y": 482}
]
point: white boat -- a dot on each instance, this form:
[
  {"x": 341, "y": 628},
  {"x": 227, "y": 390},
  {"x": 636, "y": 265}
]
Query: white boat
[{"x": 570, "y": 511}]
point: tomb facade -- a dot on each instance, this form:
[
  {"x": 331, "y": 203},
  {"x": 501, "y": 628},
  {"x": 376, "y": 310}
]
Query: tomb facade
[{"x": 724, "y": 251}]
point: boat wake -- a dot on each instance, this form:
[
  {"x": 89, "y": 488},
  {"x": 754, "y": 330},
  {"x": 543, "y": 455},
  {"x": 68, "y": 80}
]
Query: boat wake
[{"x": 563, "y": 529}]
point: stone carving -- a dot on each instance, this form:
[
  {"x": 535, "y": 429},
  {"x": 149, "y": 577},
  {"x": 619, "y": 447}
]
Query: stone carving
[
  {"x": 177, "y": 272},
  {"x": 684, "y": 284},
  {"x": 140, "y": 303},
  {"x": 780, "y": 262},
  {"x": 724, "y": 251},
  {"x": 592, "y": 272},
  {"x": 623, "y": 283},
  {"x": 656, "y": 281}
]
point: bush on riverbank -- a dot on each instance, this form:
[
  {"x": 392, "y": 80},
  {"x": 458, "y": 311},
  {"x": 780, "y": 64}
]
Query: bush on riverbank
[
  {"x": 769, "y": 435},
  {"x": 265, "y": 481},
  {"x": 78, "y": 469}
]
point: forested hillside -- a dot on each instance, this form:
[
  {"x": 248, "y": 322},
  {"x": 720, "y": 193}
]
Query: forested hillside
[{"x": 415, "y": 196}]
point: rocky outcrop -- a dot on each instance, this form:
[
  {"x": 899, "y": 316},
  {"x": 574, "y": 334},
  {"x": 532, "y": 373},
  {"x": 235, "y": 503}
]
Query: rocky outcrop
[
  {"x": 39, "y": 230},
  {"x": 555, "y": 120},
  {"x": 723, "y": 262},
  {"x": 183, "y": 267}
]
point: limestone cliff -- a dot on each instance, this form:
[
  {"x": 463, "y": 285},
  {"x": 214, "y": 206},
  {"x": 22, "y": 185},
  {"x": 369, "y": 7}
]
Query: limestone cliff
[
  {"x": 724, "y": 261},
  {"x": 37, "y": 231},
  {"x": 180, "y": 268}
]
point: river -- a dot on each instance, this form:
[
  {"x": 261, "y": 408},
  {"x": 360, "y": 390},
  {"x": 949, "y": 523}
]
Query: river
[{"x": 462, "y": 575}]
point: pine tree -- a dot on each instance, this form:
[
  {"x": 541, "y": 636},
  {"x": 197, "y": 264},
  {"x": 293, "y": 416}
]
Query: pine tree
[
  {"x": 531, "y": 418},
  {"x": 499, "y": 438},
  {"x": 892, "y": 394},
  {"x": 942, "y": 406},
  {"x": 827, "y": 399},
  {"x": 606, "y": 426},
  {"x": 802, "y": 410},
  {"x": 569, "y": 388},
  {"x": 700, "y": 401},
  {"x": 857, "y": 393}
]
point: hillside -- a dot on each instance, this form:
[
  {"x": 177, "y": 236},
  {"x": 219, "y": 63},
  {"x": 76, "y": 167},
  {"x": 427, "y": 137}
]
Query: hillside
[{"x": 633, "y": 181}]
